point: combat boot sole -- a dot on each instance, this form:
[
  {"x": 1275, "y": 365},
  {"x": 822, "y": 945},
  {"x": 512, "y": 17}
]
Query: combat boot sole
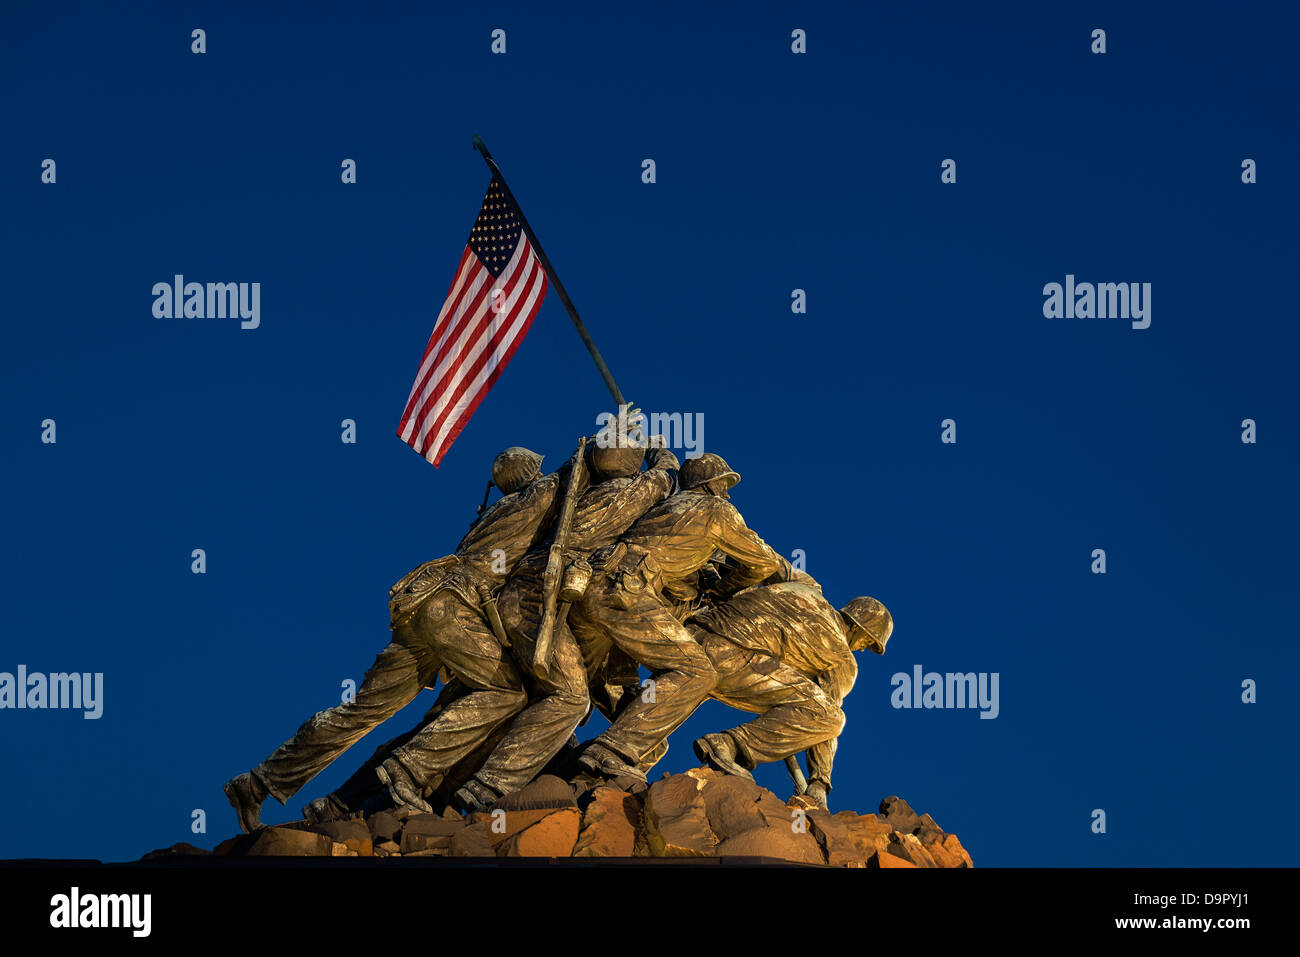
[
  {"x": 719, "y": 755},
  {"x": 241, "y": 792}
]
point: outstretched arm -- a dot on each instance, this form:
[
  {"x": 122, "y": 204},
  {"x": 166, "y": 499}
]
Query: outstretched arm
[{"x": 740, "y": 542}]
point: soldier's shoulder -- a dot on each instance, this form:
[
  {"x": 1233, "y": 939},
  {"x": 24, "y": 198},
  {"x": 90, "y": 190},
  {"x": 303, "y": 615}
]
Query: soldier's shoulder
[
  {"x": 721, "y": 506},
  {"x": 539, "y": 490},
  {"x": 606, "y": 488},
  {"x": 656, "y": 476},
  {"x": 805, "y": 595},
  {"x": 801, "y": 592},
  {"x": 506, "y": 502},
  {"x": 796, "y": 588},
  {"x": 709, "y": 506},
  {"x": 683, "y": 501},
  {"x": 546, "y": 483},
  {"x": 501, "y": 507}
]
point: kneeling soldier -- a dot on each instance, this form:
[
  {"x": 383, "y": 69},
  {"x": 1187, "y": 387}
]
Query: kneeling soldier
[{"x": 784, "y": 652}]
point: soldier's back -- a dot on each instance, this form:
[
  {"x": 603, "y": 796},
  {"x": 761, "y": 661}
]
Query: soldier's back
[
  {"x": 792, "y": 621},
  {"x": 514, "y": 524}
]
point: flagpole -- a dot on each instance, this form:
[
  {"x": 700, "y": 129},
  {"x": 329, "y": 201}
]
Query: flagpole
[{"x": 550, "y": 272}]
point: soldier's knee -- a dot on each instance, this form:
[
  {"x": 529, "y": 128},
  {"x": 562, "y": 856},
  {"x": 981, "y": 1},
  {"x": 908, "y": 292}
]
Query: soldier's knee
[
  {"x": 836, "y": 718},
  {"x": 577, "y": 698},
  {"x": 518, "y": 700},
  {"x": 701, "y": 676},
  {"x": 568, "y": 689},
  {"x": 570, "y": 706},
  {"x": 568, "y": 674}
]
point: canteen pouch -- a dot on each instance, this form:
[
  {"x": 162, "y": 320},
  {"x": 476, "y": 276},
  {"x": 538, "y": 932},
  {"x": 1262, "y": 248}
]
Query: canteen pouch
[{"x": 577, "y": 575}]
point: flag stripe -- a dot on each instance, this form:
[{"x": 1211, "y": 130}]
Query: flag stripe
[
  {"x": 477, "y": 351},
  {"x": 475, "y": 334},
  {"x": 468, "y": 322},
  {"x": 463, "y": 326},
  {"x": 463, "y": 271},
  {"x": 489, "y": 365}
]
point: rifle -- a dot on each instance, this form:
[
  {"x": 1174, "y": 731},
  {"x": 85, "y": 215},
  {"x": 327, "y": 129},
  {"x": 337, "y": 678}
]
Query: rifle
[
  {"x": 551, "y": 617},
  {"x": 796, "y": 774}
]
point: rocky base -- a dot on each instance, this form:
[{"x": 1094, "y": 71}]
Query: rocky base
[{"x": 697, "y": 814}]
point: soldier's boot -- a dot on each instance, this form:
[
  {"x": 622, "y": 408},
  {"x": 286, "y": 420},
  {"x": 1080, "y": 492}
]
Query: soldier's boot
[
  {"x": 401, "y": 787},
  {"x": 322, "y": 810},
  {"x": 601, "y": 760},
  {"x": 585, "y": 781},
  {"x": 817, "y": 792},
  {"x": 719, "y": 750},
  {"x": 474, "y": 796},
  {"x": 246, "y": 792}
]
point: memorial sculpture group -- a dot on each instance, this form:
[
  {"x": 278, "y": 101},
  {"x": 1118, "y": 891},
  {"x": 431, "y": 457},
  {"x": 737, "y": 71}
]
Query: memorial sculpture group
[{"x": 562, "y": 589}]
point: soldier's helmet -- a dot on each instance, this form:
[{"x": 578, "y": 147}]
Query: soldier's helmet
[
  {"x": 872, "y": 623},
  {"x": 515, "y": 468},
  {"x": 707, "y": 468},
  {"x": 608, "y": 462}
]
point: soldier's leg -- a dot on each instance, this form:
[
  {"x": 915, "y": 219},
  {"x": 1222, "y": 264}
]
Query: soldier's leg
[
  {"x": 630, "y": 693},
  {"x": 593, "y": 640},
  {"x": 644, "y": 628},
  {"x": 457, "y": 776},
  {"x": 399, "y": 673},
  {"x": 560, "y": 701},
  {"x": 611, "y": 674},
  {"x": 494, "y": 694},
  {"x": 794, "y": 713},
  {"x": 611, "y": 700},
  {"x": 363, "y": 786}
]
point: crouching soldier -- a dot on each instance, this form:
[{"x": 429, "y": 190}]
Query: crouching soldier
[{"x": 784, "y": 652}]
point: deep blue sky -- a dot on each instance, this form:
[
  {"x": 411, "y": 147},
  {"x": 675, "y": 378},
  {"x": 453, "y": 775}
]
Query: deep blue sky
[{"x": 775, "y": 172}]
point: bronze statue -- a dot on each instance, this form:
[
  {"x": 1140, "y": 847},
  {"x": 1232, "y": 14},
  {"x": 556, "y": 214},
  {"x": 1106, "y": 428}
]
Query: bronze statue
[
  {"x": 784, "y": 652},
  {"x": 557, "y": 594},
  {"x": 618, "y": 495},
  {"x": 630, "y": 605},
  {"x": 440, "y": 622}
]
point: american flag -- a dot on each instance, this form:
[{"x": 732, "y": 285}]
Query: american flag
[{"x": 499, "y": 287}]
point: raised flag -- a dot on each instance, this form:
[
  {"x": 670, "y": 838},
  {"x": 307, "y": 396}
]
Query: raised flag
[{"x": 498, "y": 288}]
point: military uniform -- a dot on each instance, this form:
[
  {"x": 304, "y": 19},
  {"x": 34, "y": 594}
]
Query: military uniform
[
  {"x": 781, "y": 651},
  {"x": 561, "y": 700},
  {"x": 630, "y": 604},
  {"x": 438, "y": 627}
]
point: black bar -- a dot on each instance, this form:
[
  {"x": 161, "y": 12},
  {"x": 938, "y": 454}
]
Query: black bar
[{"x": 334, "y": 901}]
